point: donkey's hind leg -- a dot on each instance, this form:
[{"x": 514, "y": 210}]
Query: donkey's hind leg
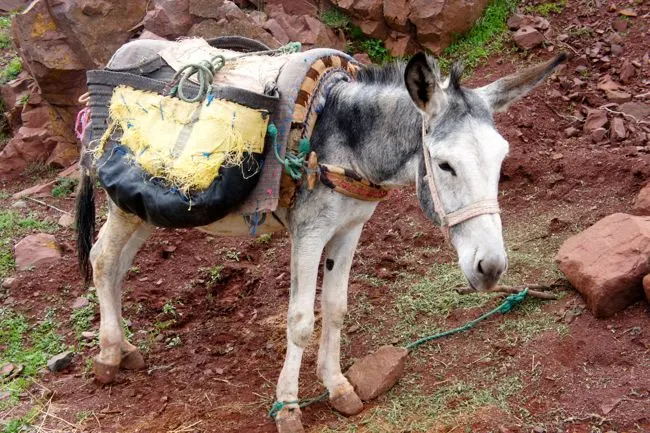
[
  {"x": 338, "y": 262},
  {"x": 111, "y": 256}
]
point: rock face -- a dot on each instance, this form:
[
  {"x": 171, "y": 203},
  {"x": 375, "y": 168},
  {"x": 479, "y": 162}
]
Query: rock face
[
  {"x": 646, "y": 286},
  {"x": 169, "y": 18},
  {"x": 12, "y": 5},
  {"x": 306, "y": 29},
  {"x": 378, "y": 372},
  {"x": 36, "y": 250},
  {"x": 642, "y": 203},
  {"x": 607, "y": 262}
]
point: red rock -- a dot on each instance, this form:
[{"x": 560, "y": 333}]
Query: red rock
[
  {"x": 598, "y": 135},
  {"x": 12, "y": 5},
  {"x": 36, "y": 250},
  {"x": 618, "y": 96},
  {"x": 66, "y": 220},
  {"x": 363, "y": 58},
  {"x": 292, "y": 7},
  {"x": 10, "y": 283},
  {"x": 528, "y": 37},
  {"x": 401, "y": 45},
  {"x": 628, "y": 12},
  {"x": 305, "y": 29},
  {"x": 437, "y": 23},
  {"x": 595, "y": 119},
  {"x": 376, "y": 373},
  {"x": 617, "y": 129},
  {"x": 80, "y": 302},
  {"x": 571, "y": 132},
  {"x": 619, "y": 24},
  {"x": 607, "y": 262},
  {"x": 367, "y": 10},
  {"x": 638, "y": 110},
  {"x": 642, "y": 202},
  {"x": 396, "y": 14},
  {"x": 606, "y": 83},
  {"x": 169, "y": 19},
  {"x": 146, "y": 34},
  {"x": 277, "y": 31},
  {"x": 646, "y": 286},
  {"x": 627, "y": 71}
]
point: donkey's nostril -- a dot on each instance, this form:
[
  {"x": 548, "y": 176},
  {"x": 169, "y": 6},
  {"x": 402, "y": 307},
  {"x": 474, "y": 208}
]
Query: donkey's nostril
[{"x": 480, "y": 267}]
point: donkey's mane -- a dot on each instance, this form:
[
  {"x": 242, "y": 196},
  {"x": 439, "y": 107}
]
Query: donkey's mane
[{"x": 392, "y": 74}]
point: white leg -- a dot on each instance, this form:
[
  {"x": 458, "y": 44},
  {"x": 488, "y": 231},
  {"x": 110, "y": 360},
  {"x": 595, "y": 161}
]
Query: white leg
[
  {"x": 115, "y": 247},
  {"x": 305, "y": 256},
  {"x": 338, "y": 261}
]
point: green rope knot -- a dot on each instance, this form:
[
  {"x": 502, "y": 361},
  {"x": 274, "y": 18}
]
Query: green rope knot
[
  {"x": 279, "y": 405},
  {"x": 204, "y": 70},
  {"x": 294, "y": 164},
  {"x": 512, "y": 300}
]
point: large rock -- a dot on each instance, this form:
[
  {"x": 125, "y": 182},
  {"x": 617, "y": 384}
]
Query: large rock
[
  {"x": 226, "y": 19},
  {"x": 528, "y": 37},
  {"x": 12, "y": 5},
  {"x": 595, "y": 119},
  {"x": 638, "y": 110},
  {"x": 646, "y": 286},
  {"x": 169, "y": 18},
  {"x": 400, "y": 44},
  {"x": 396, "y": 14},
  {"x": 293, "y": 7},
  {"x": 437, "y": 22},
  {"x": 36, "y": 250},
  {"x": 642, "y": 203},
  {"x": 378, "y": 372},
  {"x": 307, "y": 30},
  {"x": 607, "y": 262}
]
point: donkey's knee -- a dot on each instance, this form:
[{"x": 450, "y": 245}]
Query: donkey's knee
[
  {"x": 335, "y": 313},
  {"x": 300, "y": 327}
]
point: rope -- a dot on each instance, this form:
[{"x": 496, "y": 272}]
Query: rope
[
  {"x": 508, "y": 304},
  {"x": 294, "y": 164},
  {"x": 206, "y": 70}
]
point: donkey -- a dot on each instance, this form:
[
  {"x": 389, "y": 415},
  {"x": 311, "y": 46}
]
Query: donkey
[{"x": 395, "y": 125}]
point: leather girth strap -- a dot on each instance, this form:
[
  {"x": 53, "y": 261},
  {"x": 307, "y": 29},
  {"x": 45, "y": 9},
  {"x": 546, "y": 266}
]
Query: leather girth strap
[{"x": 349, "y": 183}]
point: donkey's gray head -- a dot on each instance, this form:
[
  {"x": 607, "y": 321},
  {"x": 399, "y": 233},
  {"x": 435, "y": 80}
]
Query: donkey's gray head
[{"x": 466, "y": 154}]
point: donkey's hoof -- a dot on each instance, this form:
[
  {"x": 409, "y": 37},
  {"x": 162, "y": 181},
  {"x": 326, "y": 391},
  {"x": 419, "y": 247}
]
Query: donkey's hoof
[
  {"x": 105, "y": 373},
  {"x": 347, "y": 404},
  {"x": 132, "y": 361},
  {"x": 288, "y": 421}
]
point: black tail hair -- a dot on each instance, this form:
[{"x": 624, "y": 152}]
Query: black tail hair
[{"x": 85, "y": 223}]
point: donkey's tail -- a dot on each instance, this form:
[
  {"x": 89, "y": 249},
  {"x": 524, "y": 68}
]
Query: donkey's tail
[{"x": 85, "y": 223}]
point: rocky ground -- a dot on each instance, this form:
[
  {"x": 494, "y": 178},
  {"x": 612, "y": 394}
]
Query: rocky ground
[{"x": 210, "y": 313}]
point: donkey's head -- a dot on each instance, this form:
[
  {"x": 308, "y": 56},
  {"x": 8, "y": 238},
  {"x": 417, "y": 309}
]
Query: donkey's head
[{"x": 465, "y": 152}]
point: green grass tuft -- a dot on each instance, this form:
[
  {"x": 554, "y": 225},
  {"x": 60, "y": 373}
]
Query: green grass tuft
[
  {"x": 336, "y": 19},
  {"x": 11, "y": 71},
  {"x": 485, "y": 38},
  {"x": 26, "y": 345},
  {"x": 64, "y": 187},
  {"x": 545, "y": 9}
]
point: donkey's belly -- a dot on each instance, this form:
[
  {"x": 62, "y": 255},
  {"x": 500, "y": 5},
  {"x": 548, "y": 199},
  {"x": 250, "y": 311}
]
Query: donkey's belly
[{"x": 235, "y": 225}]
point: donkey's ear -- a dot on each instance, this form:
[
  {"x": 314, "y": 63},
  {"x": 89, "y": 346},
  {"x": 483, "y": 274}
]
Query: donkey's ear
[
  {"x": 422, "y": 83},
  {"x": 503, "y": 92}
]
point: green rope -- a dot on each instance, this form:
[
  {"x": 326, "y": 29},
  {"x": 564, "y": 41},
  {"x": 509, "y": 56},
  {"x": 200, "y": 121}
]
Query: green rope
[
  {"x": 279, "y": 405},
  {"x": 293, "y": 163},
  {"x": 507, "y": 306},
  {"x": 206, "y": 70}
]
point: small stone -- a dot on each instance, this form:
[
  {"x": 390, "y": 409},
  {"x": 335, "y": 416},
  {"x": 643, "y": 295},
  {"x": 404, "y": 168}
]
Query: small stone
[
  {"x": 80, "y": 302},
  {"x": 378, "y": 372},
  {"x": 528, "y": 37},
  {"x": 627, "y": 71},
  {"x": 6, "y": 370},
  {"x": 628, "y": 12},
  {"x": 595, "y": 119},
  {"x": 618, "y": 97},
  {"x": 10, "y": 283},
  {"x": 616, "y": 49},
  {"x": 617, "y": 129},
  {"x": 159, "y": 282},
  {"x": 36, "y": 250},
  {"x": 606, "y": 83},
  {"x": 20, "y": 204},
  {"x": 354, "y": 328},
  {"x": 60, "y": 361},
  {"x": 88, "y": 335},
  {"x": 66, "y": 220},
  {"x": 557, "y": 156},
  {"x": 598, "y": 135},
  {"x": 571, "y": 132}
]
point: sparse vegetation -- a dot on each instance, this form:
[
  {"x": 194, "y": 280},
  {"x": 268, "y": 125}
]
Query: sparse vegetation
[
  {"x": 264, "y": 239},
  {"x": 486, "y": 37},
  {"x": 64, "y": 187},
  {"x": 29, "y": 346},
  {"x": 336, "y": 19},
  {"x": 11, "y": 70},
  {"x": 545, "y": 9},
  {"x": 82, "y": 318}
]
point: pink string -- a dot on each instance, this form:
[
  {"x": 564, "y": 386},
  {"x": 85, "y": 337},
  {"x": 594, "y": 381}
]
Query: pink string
[{"x": 80, "y": 125}]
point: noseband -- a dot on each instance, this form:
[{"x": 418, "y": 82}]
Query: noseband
[{"x": 451, "y": 219}]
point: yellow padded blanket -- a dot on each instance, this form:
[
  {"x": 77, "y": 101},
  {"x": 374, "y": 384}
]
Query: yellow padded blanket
[{"x": 185, "y": 143}]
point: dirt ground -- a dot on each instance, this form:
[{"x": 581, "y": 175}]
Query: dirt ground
[{"x": 210, "y": 313}]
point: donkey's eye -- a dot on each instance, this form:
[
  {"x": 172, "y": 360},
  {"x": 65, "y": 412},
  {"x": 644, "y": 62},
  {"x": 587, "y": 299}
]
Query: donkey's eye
[{"x": 446, "y": 167}]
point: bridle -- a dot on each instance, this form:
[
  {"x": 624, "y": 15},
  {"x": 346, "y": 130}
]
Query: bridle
[{"x": 451, "y": 219}]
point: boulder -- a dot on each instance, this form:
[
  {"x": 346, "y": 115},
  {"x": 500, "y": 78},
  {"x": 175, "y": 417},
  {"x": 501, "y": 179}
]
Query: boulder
[
  {"x": 618, "y": 96},
  {"x": 646, "y": 286},
  {"x": 378, "y": 372},
  {"x": 396, "y": 14},
  {"x": 400, "y": 44},
  {"x": 365, "y": 10},
  {"x": 638, "y": 110},
  {"x": 617, "y": 130},
  {"x": 307, "y": 30},
  {"x": 607, "y": 262},
  {"x": 642, "y": 202},
  {"x": 36, "y": 250},
  {"x": 627, "y": 71},
  {"x": 293, "y": 7},
  {"x": 226, "y": 19},
  {"x": 438, "y": 22},
  {"x": 169, "y": 18},
  {"x": 528, "y": 37}
]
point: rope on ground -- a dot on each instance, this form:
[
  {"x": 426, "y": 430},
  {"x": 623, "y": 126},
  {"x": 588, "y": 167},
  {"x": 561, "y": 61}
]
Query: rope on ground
[{"x": 506, "y": 306}]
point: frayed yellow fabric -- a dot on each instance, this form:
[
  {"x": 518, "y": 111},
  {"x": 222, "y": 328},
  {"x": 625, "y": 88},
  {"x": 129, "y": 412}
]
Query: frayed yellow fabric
[{"x": 186, "y": 143}]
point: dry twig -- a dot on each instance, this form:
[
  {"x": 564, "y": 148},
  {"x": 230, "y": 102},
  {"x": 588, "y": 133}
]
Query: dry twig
[
  {"x": 46, "y": 205},
  {"x": 534, "y": 290}
]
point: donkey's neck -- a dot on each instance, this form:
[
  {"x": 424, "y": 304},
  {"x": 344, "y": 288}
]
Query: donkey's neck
[{"x": 372, "y": 128}]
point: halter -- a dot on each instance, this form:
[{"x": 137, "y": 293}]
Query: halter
[{"x": 448, "y": 220}]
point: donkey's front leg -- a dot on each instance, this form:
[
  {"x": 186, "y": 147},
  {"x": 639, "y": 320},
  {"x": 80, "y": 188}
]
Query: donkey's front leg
[
  {"x": 306, "y": 250},
  {"x": 111, "y": 256},
  {"x": 338, "y": 261}
]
